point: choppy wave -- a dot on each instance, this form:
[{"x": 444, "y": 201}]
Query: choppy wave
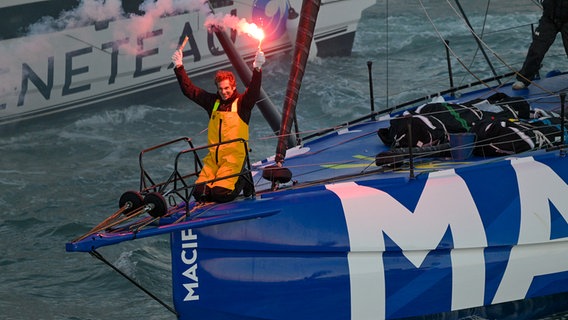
[{"x": 116, "y": 117}]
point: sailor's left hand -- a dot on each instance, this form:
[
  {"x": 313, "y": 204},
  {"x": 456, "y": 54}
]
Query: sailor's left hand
[{"x": 258, "y": 60}]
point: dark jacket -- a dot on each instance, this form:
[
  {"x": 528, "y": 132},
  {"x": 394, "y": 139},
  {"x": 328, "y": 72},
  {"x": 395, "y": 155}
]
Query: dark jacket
[
  {"x": 556, "y": 10},
  {"x": 207, "y": 100}
]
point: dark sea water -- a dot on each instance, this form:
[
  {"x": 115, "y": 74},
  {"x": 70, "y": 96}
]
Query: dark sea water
[{"x": 61, "y": 175}]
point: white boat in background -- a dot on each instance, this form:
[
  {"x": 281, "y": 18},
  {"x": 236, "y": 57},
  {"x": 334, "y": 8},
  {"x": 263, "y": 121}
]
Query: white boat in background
[{"x": 61, "y": 55}]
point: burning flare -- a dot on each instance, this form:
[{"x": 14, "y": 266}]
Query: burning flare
[
  {"x": 253, "y": 31},
  {"x": 241, "y": 25}
]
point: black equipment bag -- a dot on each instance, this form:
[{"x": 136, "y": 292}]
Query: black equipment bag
[
  {"x": 456, "y": 118},
  {"x": 549, "y": 131},
  {"x": 501, "y": 106},
  {"x": 426, "y": 131},
  {"x": 501, "y": 137}
]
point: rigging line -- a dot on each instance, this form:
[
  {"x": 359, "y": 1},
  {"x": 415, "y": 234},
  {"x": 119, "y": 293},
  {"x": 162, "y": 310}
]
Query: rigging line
[
  {"x": 460, "y": 61},
  {"x": 423, "y": 156},
  {"x": 539, "y": 96},
  {"x": 482, "y": 34},
  {"x": 363, "y": 173},
  {"x": 332, "y": 179},
  {"x": 387, "y": 53},
  {"x": 319, "y": 131},
  {"x": 99, "y": 256},
  {"x": 339, "y": 143},
  {"x": 481, "y": 42},
  {"x": 477, "y": 38},
  {"x": 537, "y": 3}
]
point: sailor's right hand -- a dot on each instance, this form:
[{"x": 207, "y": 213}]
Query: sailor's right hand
[
  {"x": 177, "y": 58},
  {"x": 258, "y": 60}
]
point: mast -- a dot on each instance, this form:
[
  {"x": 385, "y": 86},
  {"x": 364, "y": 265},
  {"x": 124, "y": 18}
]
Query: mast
[{"x": 306, "y": 27}]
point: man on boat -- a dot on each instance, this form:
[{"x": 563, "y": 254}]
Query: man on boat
[
  {"x": 229, "y": 115},
  {"x": 554, "y": 19}
]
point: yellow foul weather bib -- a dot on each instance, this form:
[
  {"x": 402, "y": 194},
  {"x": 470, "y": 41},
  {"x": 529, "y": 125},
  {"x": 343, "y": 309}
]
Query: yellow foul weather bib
[{"x": 226, "y": 159}]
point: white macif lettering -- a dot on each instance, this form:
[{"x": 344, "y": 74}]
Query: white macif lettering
[
  {"x": 187, "y": 235},
  {"x": 187, "y": 245},
  {"x": 191, "y": 296},
  {"x": 191, "y": 272},
  {"x": 445, "y": 202},
  {"x": 536, "y": 254},
  {"x": 189, "y": 240},
  {"x": 193, "y": 258}
]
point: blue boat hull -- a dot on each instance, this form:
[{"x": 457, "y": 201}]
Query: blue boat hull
[{"x": 374, "y": 248}]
